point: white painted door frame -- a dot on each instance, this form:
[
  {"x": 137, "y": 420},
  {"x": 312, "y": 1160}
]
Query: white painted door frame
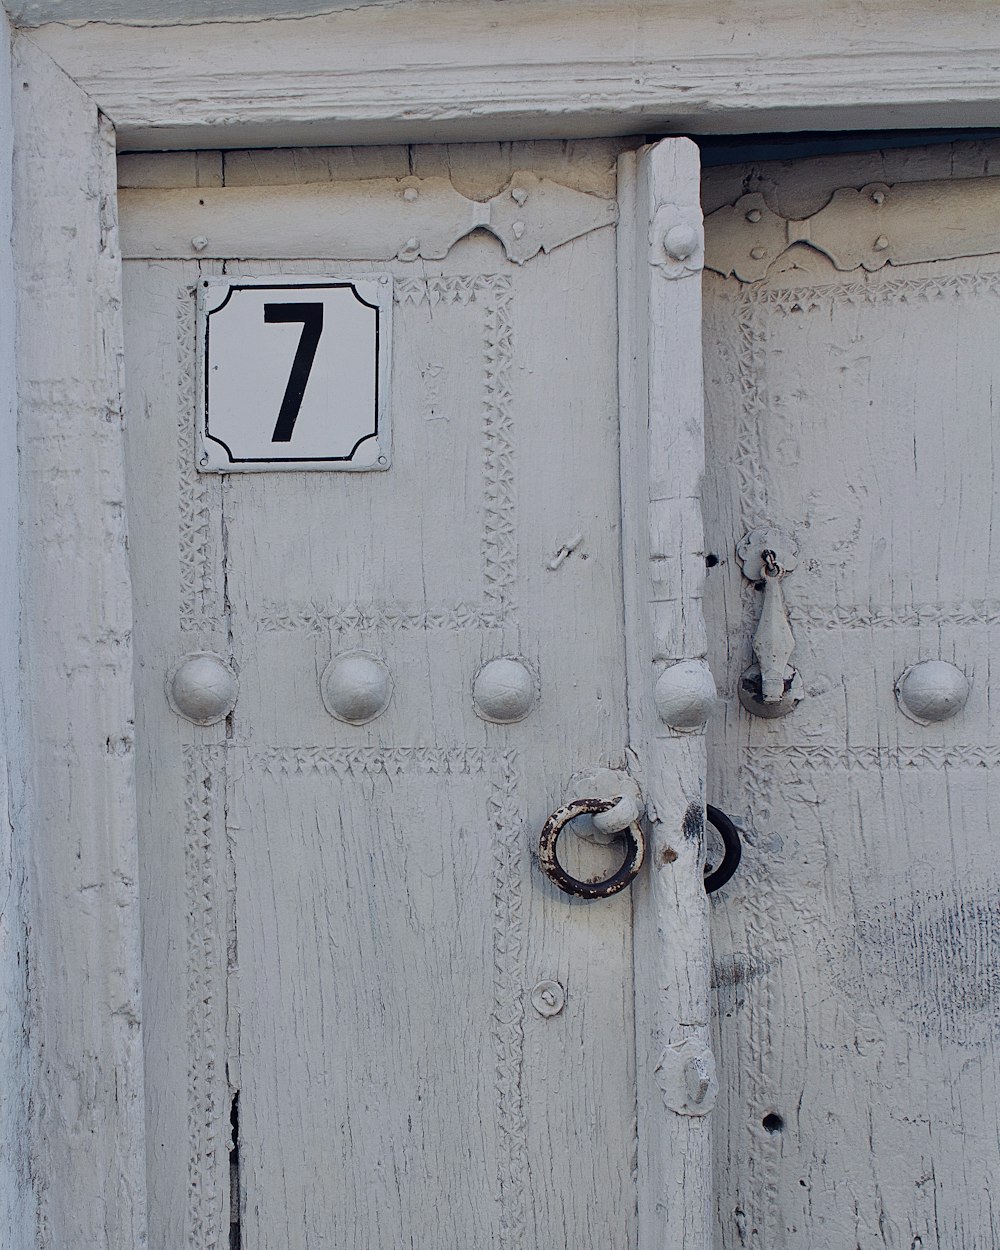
[{"x": 72, "y": 1160}]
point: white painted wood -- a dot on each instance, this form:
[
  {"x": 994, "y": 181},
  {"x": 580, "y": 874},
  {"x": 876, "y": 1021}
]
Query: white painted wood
[
  {"x": 867, "y": 68},
  {"x": 867, "y": 227},
  {"x": 350, "y": 913},
  {"x": 16, "y": 1193},
  {"x": 419, "y": 72},
  {"x": 181, "y": 169},
  {"x": 413, "y": 218},
  {"x": 800, "y": 188},
  {"x": 168, "y": 12},
  {"x": 661, "y": 465},
  {"x": 855, "y": 951},
  {"x": 78, "y": 820}
]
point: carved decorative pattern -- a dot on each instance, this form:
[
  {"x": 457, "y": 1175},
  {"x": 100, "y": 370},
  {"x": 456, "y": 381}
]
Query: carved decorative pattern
[
  {"x": 507, "y": 1021},
  {"x": 461, "y": 289},
  {"x": 498, "y": 543},
  {"x": 195, "y": 489},
  {"x": 370, "y": 761},
  {"x": 207, "y": 1115},
  {"x": 835, "y": 616},
  {"x": 876, "y": 291},
  {"x": 318, "y": 616},
  {"x": 793, "y": 761},
  {"x": 750, "y": 478},
  {"x": 805, "y": 617}
]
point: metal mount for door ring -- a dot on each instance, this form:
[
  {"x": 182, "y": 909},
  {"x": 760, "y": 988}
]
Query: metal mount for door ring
[
  {"x": 771, "y": 687},
  {"x": 634, "y": 841},
  {"x": 732, "y": 849}
]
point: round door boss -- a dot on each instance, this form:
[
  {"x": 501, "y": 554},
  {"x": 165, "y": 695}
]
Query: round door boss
[{"x": 635, "y": 850}]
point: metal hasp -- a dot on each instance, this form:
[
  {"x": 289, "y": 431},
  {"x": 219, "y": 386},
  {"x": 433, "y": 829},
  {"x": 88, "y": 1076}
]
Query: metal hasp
[
  {"x": 635, "y": 844},
  {"x": 771, "y": 687}
]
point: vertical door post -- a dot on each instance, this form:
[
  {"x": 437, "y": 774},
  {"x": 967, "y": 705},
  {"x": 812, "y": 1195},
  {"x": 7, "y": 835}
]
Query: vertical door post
[{"x": 662, "y": 460}]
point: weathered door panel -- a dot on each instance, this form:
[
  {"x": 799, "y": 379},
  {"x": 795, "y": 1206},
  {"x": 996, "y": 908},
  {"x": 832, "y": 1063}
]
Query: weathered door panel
[
  {"x": 855, "y": 953},
  {"x": 344, "y": 925}
]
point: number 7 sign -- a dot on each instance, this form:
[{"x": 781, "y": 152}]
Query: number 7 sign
[{"x": 294, "y": 373}]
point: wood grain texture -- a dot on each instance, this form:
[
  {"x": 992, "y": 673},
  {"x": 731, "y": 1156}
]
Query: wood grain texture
[
  {"x": 661, "y": 466},
  {"x": 432, "y": 72},
  {"x": 34, "y": 12},
  {"x": 79, "y": 813},
  {"x": 416, "y": 219},
  {"x": 854, "y": 953},
  {"x": 351, "y": 914},
  {"x": 16, "y": 1190}
]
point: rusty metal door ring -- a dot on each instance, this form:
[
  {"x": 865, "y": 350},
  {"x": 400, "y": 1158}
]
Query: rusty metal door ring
[{"x": 635, "y": 845}]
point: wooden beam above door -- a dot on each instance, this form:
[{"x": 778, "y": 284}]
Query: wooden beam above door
[{"x": 430, "y": 71}]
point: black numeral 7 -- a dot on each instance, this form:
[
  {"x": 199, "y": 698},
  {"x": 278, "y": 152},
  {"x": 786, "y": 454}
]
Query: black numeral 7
[{"x": 311, "y": 316}]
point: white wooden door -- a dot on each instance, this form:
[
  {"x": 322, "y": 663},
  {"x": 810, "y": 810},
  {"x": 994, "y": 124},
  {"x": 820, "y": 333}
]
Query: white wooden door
[
  {"x": 370, "y": 1020},
  {"x": 855, "y": 954}
]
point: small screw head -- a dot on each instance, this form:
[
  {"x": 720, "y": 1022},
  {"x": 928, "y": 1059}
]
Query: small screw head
[
  {"x": 881, "y": 243},
  {"x": 757, "y": 253},
  {"x": 203, "y": 460},
  {"x": 383, "y": 459},
  {"x": 754, "y": 215},
  {"x": 410, "y": 194},
  {"x": 680, "y": 242},
  {"x": 878, "y": 197}
]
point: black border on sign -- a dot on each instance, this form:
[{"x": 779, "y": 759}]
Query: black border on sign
[{"x": 293, "y": 286}]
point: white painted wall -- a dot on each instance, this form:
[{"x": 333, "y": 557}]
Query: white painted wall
[{"x": 15, "y": 1192}]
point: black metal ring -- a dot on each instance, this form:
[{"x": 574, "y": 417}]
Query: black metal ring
[
  {"x": 732, "y": 849},
  {"x": 550, "y": 865}
]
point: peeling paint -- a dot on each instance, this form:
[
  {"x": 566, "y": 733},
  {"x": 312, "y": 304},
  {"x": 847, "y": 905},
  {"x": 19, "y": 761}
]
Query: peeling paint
[{"x": 174, "y": 12}]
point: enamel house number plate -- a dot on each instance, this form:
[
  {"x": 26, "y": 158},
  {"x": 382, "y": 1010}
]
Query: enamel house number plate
[{"x": 294, "y": 373}]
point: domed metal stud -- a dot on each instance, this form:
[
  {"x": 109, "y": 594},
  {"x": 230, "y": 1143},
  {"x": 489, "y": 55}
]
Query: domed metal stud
[
  {"x": 356, "y": 687},
  {"x": 932, "y": 690},
  {"x": 202, "y": 688},
  {"x": 681, "y": 241},
  {"x": 504, "y": 691},
  {"x": 685, "y": 695}
]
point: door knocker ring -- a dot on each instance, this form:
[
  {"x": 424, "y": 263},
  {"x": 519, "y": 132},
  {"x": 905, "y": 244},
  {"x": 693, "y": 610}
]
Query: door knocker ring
[{"x": 635, "y": 845}]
